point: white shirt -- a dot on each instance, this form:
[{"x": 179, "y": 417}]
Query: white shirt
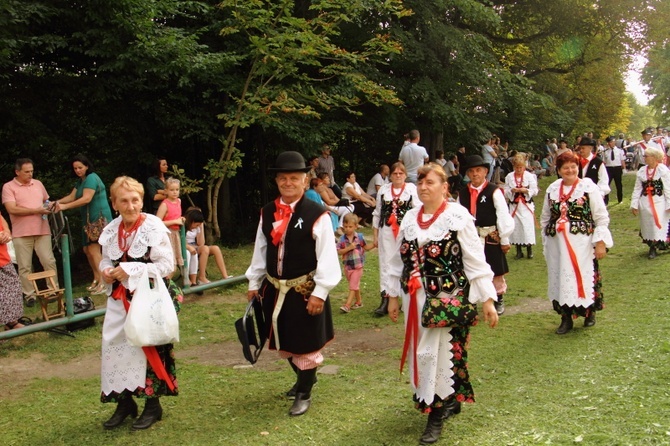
[
  {"x": 413, "y": 156},
  {"x": 376, "y": 180},
  {"x": 619, "y": 157}
]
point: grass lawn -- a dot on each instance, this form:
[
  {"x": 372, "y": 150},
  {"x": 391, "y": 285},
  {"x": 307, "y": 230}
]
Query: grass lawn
[{"x": 606, "y": 385}]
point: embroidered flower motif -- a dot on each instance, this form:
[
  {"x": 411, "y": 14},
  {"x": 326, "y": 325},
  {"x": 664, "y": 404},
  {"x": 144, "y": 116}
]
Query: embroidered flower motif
[{"x": 434, "y": 250}]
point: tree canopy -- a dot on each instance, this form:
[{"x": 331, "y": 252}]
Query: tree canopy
[{"x": 221, "y": 87}]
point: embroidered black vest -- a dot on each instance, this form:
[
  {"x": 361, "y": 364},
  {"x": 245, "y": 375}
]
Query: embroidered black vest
[
  {"x": 578, "y": 213},
  {"x": 656, "y": 186},
  {"x": 387, "y": 209},
  {"x": 299, "y": 245}
]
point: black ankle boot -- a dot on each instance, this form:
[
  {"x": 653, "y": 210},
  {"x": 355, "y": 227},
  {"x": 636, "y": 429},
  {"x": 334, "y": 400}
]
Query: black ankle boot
[
  {"x": 124, "y": 408},
  {"x": 383, "y": 308},
  {"x": 652, "y": 252},
  {"x": 566, "y": 324},
  {"x": 519, "y": 252},
  {"x": 500, "y": 305},
  {"x": 293, "y": 390},
  {"x": 590, "y": 320},
  {"x": 433, "y": 428},
  {"x": 303, "y": 395},
  {"x": 152, "y": 412},
  {"x": 452, "y": 408},
  {"x": 530, "y": 251}
]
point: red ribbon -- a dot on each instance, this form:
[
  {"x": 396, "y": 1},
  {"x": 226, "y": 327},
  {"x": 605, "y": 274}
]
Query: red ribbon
[
  {"x": 474, "y": 193},
  {"x": 650, "y": 196},
  {"x": 560, "y": 227},
  {"x": 282, "y": 214},
  {"x": 393, "y": 223},
  {"x": 522, "y": 199},
  {"x": 150, "y": 352},
  {"x": 412, "y": 328}
]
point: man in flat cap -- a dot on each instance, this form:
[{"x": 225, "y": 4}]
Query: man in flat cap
[
  {"x": 294, "y": 267},
  {"x": 591, "y": 166},
  {"x": 486, "y": 203}
]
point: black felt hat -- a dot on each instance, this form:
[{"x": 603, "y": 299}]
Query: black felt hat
[
  {"x": 587, "y": 142},
  {"x": 247, "y": 327},
  {"x": 476, "y": 161},
  {"x": 290, "y": 162}
]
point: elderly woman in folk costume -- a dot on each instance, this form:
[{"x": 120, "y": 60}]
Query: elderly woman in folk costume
[
  {"x": 133, "y": 243},
  {"x": 520, "y": 188},
  {"x": 441, "y": 262},
  {"x": 651, "y": 201},
  {"x": 394, "y": 199},
  {"x": 575, "y": 236}
]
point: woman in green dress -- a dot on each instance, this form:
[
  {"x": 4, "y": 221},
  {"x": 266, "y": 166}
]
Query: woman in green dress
[{"x": 90, "y": 196}]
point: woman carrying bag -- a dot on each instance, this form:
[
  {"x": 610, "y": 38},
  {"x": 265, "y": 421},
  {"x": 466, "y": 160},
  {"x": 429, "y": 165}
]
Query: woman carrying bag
[{"x": 134, "y": 245}]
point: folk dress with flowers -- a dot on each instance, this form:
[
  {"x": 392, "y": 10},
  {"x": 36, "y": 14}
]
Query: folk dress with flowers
[
  {"x": 391, "y": 200},
  {"x": 521, "y": 207},
  {"x": 586, "y": 223},
  {"x": 125, "y": 370},
  {"x": 654, "y": 183},
  {"x": 451, "y": 249}
]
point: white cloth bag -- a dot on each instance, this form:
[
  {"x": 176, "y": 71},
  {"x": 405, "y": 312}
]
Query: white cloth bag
[{"x": 152, "y": 319}]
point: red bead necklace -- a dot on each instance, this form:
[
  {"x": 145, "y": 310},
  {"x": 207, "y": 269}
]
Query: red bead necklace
[
  {"x": 393, "y": 194},
  {"x": 426, "y": 224}
]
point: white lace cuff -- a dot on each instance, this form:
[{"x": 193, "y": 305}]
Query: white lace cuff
[
  {"x": 482, "y": 289},
  {"x": 602, "y": 234},
  {"x": 135, "y": 271}
]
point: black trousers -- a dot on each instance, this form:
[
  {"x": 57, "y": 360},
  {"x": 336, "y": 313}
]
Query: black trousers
[{"x": 615, "y": 174}]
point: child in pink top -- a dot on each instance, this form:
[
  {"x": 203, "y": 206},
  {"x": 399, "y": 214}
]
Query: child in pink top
[{"x": 170, "y": 212}]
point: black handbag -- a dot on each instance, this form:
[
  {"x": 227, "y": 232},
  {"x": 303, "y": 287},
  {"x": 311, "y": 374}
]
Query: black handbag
[
  {"x": 82, "y": 305},
  {"x": 246, "y": 329}
]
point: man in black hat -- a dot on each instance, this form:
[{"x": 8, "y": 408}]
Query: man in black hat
[
  {"x": 591, "y": 166},
  {"x": 294, "y": 267},
  {"x": 615, "y": 163},
  {"x": 486, "y": 202}
]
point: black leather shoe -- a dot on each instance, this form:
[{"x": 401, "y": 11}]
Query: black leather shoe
[
  {"x": 300, "y": 404},
  {"x": 124, "y": 408},
  {"x": 383, "y": 308},
  {"x": 652, "y": 253},
  {"x": 566, "y": 325},
  {"x": 590, "y": 320},
  {"x": 530, "y": 251},
  {"x": 433, "y": 428},
  {"x": 152, "y": 412},
  {"x": 500, "y": 305},
  {"x": 453, "y": 408},
  {"x": 519, "y": 252}
]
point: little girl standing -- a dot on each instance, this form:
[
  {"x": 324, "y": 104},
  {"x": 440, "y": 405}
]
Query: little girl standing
[
  {"x": 352, "y": 248},
  {"x": 170, "y": 212}
]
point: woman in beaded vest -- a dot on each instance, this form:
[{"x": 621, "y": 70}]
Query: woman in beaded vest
[
  {"x": 520, "y": 188},
  {"x": 394, "y": 199},
  {"x": 440, "y": 257},
  {"x": 575, "y": 236},
  {"x": 133, "y": 243},
  {"x": 651, "y": 201}
]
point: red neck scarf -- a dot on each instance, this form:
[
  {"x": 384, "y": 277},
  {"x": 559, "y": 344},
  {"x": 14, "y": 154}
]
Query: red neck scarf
[
  {"x": 474, "y": 194},
  {"x": 282, "y": 216}
]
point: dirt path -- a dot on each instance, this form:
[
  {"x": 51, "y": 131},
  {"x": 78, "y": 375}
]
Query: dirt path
[{"x": 20, "y": 371}]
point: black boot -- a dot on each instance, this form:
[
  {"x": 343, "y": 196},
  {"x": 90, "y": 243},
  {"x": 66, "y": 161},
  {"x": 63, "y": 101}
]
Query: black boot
[
  {"x": 566, "y": 324},
  {"x": 590, "y": 320},
  {"x": 292, "y": 391},
  {"x": 433, "y": 428},
  {"x": 500, "y": 305},
  {"x": 652, "y": 252},
  {"x": 530, "y": 251},
  {"x": 452, "y": 408},
  {"x": 303, "y": 395},
  {"x": 519, "y": 252},
  {"x": 124, "y": 407},
  {"x": 383, "y": 308},
  {"x": 152, "y": 412}
]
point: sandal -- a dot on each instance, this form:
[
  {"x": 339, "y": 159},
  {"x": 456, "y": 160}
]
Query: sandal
[
  {"x": 13, "y": 325},
  {"x": 357, "y": 305},
  {"x": 100, "y": 289},
  {"x": 92, "y": 286}
]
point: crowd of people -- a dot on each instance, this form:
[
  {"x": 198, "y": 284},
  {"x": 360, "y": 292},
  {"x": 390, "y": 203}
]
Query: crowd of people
[{"x": 442, "y": 229}]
